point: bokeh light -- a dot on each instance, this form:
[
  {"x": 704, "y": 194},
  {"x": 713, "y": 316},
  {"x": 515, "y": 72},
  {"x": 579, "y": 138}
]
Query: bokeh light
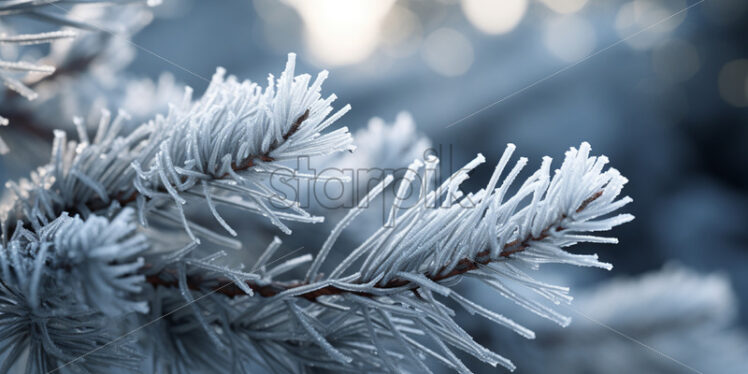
[
  {"x": 401, "y": 33},
  {"x": 569, "y": 38},
  {"x": 565, "y": 6},
  {"x": 494, "y": 17},
  {"x": 733, "y": 83},
  {"x": 448, "y": 52},
  {"x": 643, "y": 24},
  {"x": 341, "y": 32}
]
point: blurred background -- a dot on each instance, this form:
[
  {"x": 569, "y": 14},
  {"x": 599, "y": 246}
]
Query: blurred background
[{"x": 659, "y": 86}]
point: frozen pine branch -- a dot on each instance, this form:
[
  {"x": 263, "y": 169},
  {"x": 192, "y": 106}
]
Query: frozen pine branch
[
  {"x": 96, "y": 257},
  {"x": 58, "y": 334},
  {"x": 21, "y": 76},
  {"x": 225, "y": 144},
  {"x": 106, "y": 235},
  {"x": 236, "y": 127},
  {"x": 51, "y": 12},
  {"x": 420, "y": 253},
  {"x": 60, "y": 283}
]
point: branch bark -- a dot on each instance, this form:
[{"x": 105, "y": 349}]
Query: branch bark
[{"x": 229, "y": 288}]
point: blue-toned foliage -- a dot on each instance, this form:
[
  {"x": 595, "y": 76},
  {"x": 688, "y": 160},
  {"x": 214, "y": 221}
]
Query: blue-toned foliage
[{"x": 115, "y": 253}]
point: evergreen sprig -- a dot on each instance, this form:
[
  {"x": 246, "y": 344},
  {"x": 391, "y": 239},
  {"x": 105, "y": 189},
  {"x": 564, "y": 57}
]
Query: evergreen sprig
[{"x": 83, "y": 246}]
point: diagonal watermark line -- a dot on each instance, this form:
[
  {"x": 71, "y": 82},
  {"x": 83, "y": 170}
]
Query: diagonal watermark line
[
  {"x": 121, "y": 337},
  {"x": 164, "y": 59},
  {"x": 140, "y": 47},
  {"x": 634, "y": 340},
  {"x": 568, "y": 67}
]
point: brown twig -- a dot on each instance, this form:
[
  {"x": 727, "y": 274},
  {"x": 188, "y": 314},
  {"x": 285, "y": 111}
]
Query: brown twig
[{"x": 229, "y": 288}]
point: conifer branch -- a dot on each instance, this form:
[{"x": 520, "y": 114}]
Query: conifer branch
[
  {"x": 107, "y": 215},
  {"x": 21, "y": 78},
  {"x": 248, "y": 163},
  {"x": 229, "y": 288}
]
